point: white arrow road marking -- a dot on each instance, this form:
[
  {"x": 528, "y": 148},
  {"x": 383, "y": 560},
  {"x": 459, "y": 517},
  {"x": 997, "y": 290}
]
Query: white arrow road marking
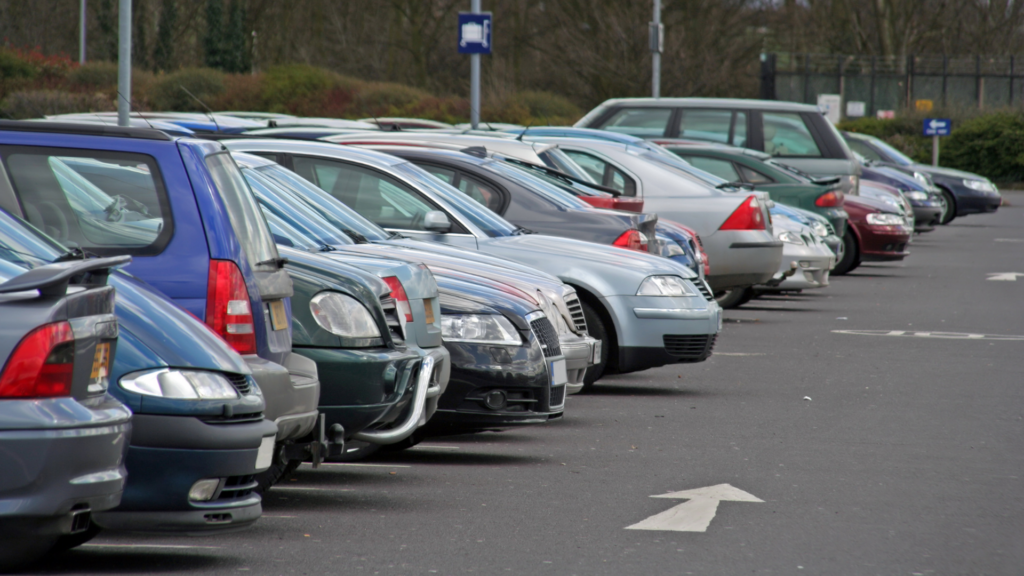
[
  {"x": 695, "y": 515},
  {"x": 940, "y": 335},
  {"x": 1004, "y": 276}
]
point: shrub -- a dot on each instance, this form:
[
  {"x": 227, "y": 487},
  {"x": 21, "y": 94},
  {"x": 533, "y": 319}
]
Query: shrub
[
  {"x": 991, "y": 145},
  {"x": 95, "y": 76},
  {"x": 38, "y": 103},
  {"x": 297, "y": 87},
  {"x": 548, "y": 108},
  {"x": 387, "y": 99},
  {"x": 13, "y": 66},
  {"x": 166, "y": 94},
  {"x": 241, "y": 92}
]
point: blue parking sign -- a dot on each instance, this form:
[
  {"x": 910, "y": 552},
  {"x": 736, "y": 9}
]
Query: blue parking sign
[
  {"x": 937, "y": 126},
  {"x": 474, "y": 33}
]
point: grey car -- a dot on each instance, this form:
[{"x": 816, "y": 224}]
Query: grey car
[
  {"x": 796, "y": 134},
  {"x": 647, "y": 311},
  {"x": 63, "y": 439}
]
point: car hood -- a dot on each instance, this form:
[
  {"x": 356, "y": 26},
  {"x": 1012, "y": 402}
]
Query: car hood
[
  {"x": 947, "y": 172},
  {"x": 160, "y": 333},
  {"x": 462, "y": 297},
  {"x": 464, "y": 254},
  {"x": 560, "y": 255},
  {"x": 417, "y": 281}
]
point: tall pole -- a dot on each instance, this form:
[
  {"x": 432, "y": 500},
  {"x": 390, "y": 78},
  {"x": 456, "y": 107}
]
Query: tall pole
[
  {"x": 81, "y": 32},
  {"x": 474, "y": 78},
  {"x": 657, "y": 45},
  {"x": 124, "y": 62}
]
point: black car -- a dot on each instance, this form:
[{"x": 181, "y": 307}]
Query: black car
[
  {"x": 529, "y": 201},
  {"x": 965, "y": 192}
]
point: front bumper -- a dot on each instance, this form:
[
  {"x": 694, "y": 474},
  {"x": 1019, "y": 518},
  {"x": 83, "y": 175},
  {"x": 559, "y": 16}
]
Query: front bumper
[
  {"x": 67, "y": 463},
  {"x": 657, "y": 330},
  {"x": 970, "y": 201},
  {"x": 170, "y": 453},
  {"x": 812, "y": 268},
  {"x": 926, "y": 216},
  {"x": 579, "y": 352},
  {"x": 884, "y": 243}
]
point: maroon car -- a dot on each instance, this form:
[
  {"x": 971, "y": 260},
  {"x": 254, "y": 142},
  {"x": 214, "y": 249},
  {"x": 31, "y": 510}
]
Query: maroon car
[{"x": 879, "y": 233}]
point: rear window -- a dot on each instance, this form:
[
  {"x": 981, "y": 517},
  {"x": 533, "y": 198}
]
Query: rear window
[
  {"x": 246, "y": 218},
  {"x": 711, "y": 125},
  {"x": 104, "y": 202},
  {"x": 639, "y": 122},
  {"x": 786, "y": 134}
]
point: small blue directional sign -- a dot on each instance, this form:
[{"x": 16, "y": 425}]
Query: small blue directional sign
[
  {"x": 474, "y": 33},
  {"x": 937, "y": 126}
]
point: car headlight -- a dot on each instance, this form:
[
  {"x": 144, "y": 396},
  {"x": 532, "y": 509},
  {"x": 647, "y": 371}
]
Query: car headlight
[
  {"x": 980, "y": 185},
  {"x": 880, "y": 219},
  {"x": 343, "y": 315},
  {"x": 551, "y": 311},
  {"x": 182, "y": 384},
  {"x": 916, "y": 195},
  {"x": 480, "y": 329},
  {"x": 664, "y": 286},
  {"x": 923, "y": 179},
  {"x": 821, "y": 229},
  {"x": 790, "y": 237}
]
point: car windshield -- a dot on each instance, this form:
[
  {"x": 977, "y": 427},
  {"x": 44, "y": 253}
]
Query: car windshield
[
  {"x": 893, "y": 154},
  {"x": 803, "y": 176},
  {"x": 550, "y": 192},
  {"x": 295, "y": 213},
  {"x": 243, "y": 212},
  {"x": 22, "y": 246},
  {"x": 680, "y": 165},
  {"x": 478, "y": 214},
  {"x": 564, "y": 163},
  {"x": 328, "y": 207},
  {"x": 563, "y": 183},
  {"x": 287, "y": 235}
]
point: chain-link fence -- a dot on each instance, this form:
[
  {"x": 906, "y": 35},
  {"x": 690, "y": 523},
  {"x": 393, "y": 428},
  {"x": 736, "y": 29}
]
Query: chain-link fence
[{"x": 895, "y": 83}]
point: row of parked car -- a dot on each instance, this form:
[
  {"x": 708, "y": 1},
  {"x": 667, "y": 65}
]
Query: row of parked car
[{"x": 199, "y": 303}]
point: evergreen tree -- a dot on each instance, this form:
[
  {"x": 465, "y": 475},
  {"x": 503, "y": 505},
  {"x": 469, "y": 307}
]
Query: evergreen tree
[
  {"x": 140, "y": 34},
  {"x": 106, "y": 21},
  {"x": 236, "y": 44},
  {"x": 163, "y": 54},
  {"x": 213, "y": 42}
]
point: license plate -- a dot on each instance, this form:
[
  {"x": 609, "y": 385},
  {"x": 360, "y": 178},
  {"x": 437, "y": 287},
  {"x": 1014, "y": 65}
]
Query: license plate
[
  {"x": 278, "y": 317},
  {"x": 99, "y": 376},
  {"x": 596, "y": 357},
  {"x": 265, "y": 455},
  {"x": 558, "y": 374},
  {"x": 428, "y": 307}
]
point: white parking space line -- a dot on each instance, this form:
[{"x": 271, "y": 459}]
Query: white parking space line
[
  {"x": 1009, "y": 240},
  {"x": 166, "y": 546},
  {"x": 354, "y": 464},
  {"x": 739, "y": 354},
  {"x": 270, "y": 516},
  {"x": 303, "y": 488},
  {"x": 1004, "y": 276},
  {"x": 434, "y": 447},
  {"x": 937, "y": 335}
]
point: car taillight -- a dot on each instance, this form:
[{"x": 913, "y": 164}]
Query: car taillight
[
  {"x": 401, "y": 299},
  {"x": 632, "y": 240},
  {"x": 227, "y": 307},
  {"x": 42, "y": 365},
  {"x": 747, "y": 217},
  {"x": 830, "y": 199}
]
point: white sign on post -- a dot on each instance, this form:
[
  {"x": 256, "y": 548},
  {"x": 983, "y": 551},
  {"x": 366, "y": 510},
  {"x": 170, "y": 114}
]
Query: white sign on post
[
  {"x": 855, "y": 109},
  {"x": 831, "y": 106}
]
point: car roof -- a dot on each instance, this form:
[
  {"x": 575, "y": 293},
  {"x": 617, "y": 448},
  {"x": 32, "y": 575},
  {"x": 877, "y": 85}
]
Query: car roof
[
  {"x": 713, "y": 103},
  {"x": 85, "y": 129},
  {"x": 320, "y": 148}
]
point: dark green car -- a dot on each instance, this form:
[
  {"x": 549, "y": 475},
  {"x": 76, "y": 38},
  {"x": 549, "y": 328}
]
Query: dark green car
[{"x": 758, "y": 170}]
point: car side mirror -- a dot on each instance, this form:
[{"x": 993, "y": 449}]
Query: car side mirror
[{"x": 436, "y": 221}]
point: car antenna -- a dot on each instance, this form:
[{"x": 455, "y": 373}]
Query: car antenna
[
  {"x": 209, "y": 112},
  {"x": 523, "y": 133},
  {"x": 132, "y": 104}
]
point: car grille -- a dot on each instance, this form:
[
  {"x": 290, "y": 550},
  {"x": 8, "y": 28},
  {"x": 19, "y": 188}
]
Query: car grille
[
  {"x": 690, "y": 348},
  {"x": 572, "y": 302},
  {"x": 237, "y": 488},
  {"x": 705, "y": 291},
  {"x": 240, "y": 382},
  {"x": 547, "y": 337},
  {"x": 391, "y": 317},
  {"x": 234, "y": 418},
  {"x": 557, "y": 397}
]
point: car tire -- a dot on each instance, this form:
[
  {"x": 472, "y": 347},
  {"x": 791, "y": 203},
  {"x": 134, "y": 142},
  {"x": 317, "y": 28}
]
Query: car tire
[
  {"x": 277, "y": 472},
  {"x": 596, "y": 329},
  {"x": 69, "y": 541},
  {"x": 950, "y": 213},
  {"x": 734, "y": 298},
  {"x": 851, "y": 256}
]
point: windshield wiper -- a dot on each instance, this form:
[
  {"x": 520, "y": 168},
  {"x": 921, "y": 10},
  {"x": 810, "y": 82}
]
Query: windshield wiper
[
  {"x": 359, "y": 238},
  {"x": 396, "y": 236},
  {"x": 279, "y": 262},
  {"x": 75, "y": 253},
  {"x": 520, "y": 231},
  {"x": 326, "y": 248}
]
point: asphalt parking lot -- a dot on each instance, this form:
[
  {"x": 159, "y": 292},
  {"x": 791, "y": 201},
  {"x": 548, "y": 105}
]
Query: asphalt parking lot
[{"x": 880, "y": 422}]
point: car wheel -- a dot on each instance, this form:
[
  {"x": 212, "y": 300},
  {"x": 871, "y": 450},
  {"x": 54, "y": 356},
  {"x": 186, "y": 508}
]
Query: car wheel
[
  {"x": 596, "y": 329},
  {"x": 277, "y": 472},
  {"x": 851, "y": 256},
  {"x": 734, "y": 298},
  {"x": 949, "y": 211},
  {"x": 69, "y": 541}
]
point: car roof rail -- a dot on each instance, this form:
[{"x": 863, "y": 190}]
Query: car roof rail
[{"x": 84, "y": 129}]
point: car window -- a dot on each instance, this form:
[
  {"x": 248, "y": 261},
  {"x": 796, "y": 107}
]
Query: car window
[
  {"x": 864, "y": 150},
  {"x": 786, "y": 134},
  {"x": 376, "y": 196},
  {"x": 443, "y": 173},
  {"x": 104, "y": 202},
  {"x": 480, "y": 191},
  {"x": 739, "y": 130},
  {"x": 893, "y": 154},
  {"x": 484, "y": 219},
  {"x": 712, "y": 125},
  {"x": 753, "y": 176},
  {"x": 243, "y": 212},
  {"x": 603, "y": 172},
  {"x": 640, "y": 122},
  {"x": 721, "y": 168}
]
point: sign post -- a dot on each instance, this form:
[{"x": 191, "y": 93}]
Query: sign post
[
  {"x": 936, "y": 127},
  {"x": 657, "y": 40},
  {"x": 474, "y": 39}
]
